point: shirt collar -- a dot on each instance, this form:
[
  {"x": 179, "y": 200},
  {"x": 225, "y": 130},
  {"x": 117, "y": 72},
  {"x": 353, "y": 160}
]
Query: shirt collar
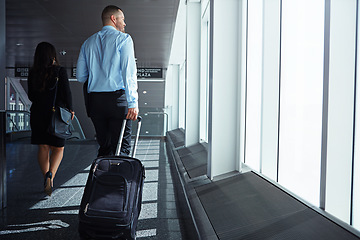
[{"x": 109, "y": 27}]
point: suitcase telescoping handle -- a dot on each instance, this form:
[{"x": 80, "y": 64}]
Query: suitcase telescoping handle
[{"x": 122, "y": 135}]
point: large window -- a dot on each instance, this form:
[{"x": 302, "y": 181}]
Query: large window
[
  {"x": 182, "y": 96},
  {"x": 204, "y": 81},
  {"x": 300, "y": 102},
  {"x": 301, "y": 97}
]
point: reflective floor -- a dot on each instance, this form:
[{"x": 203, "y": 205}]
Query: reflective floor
[{"x": 30, "y": 214}]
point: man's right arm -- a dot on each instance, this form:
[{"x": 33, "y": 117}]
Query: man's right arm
[
  {"x": 128, "y": 67},
  {"x": 82, "y": 72}
]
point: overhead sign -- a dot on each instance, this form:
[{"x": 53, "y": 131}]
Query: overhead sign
[
  {"x": 22, "y": 71},
  {"x": 150, "y": 73},
  {"x": 141, "y": 72}
]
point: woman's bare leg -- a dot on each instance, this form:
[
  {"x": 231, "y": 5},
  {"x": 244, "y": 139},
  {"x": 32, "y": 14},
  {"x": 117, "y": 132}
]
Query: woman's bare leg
[
  {"x": 56, "y": 156},
  {"x": 43, "y": 158},
  {"x": 49, "y": 159}
]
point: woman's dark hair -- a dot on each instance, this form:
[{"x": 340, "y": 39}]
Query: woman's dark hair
[{"x": 45, "y": 57}]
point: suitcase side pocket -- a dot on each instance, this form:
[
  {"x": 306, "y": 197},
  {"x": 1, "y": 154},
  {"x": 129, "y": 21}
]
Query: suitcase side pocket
[{"x": 108, "y": 198}]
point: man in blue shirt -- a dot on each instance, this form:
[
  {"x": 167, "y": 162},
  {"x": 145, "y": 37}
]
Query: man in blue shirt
[{"x": 107, "y": 61}]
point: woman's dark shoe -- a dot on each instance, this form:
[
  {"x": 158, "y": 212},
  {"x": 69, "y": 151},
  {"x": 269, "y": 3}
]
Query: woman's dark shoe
[{"x": 48, "y": 183}]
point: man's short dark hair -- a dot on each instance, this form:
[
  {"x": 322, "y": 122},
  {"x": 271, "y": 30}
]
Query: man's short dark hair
[{"x": 108, "y": 11}]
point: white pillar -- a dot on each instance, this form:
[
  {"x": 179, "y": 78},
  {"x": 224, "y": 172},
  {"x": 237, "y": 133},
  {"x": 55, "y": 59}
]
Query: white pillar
[
  {"x": 172, "y": 96},
  {"x": 192, "y": 89},
  {"x": 224, "y": 127}
]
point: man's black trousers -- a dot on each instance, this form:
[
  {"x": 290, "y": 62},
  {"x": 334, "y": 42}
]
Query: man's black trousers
[{"x": 107, "y": 111}]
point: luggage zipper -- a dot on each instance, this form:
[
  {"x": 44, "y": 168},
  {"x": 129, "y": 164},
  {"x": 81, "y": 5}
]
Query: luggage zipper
[{"x": 86, "y": 207}]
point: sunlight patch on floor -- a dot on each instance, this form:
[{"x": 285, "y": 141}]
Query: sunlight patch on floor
[
  {"x": 66, "y": 199},
  {"x": 34, "y": 227},
  {"x": 146, "y": 233}
]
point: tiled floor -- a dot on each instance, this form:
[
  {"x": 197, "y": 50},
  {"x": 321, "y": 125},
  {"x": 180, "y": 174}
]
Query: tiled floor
[{"x": 33, "y": 215}]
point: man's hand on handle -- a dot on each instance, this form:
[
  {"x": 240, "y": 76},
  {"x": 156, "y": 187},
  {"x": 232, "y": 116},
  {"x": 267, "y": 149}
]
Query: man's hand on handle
[{"x": 132, "y": 113}]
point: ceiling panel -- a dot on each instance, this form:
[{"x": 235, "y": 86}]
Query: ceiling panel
[{"x": 67, "y": 23}]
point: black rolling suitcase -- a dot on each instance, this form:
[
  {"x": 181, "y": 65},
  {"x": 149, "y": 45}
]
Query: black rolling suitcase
[{"x": 111, "y": 203}]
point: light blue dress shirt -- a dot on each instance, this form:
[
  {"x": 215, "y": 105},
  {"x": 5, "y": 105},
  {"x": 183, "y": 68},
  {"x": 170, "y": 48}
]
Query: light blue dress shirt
[{"x": 107, "y": 60}]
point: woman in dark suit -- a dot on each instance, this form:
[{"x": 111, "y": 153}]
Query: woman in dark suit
[{"x": 41, "y": 89}]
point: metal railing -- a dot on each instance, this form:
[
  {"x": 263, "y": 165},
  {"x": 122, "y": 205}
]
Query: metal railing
[
  {"x": 17, "y": 121},
  {"x": 154, "y": 123},
  {"x": 166, "y": 120}
]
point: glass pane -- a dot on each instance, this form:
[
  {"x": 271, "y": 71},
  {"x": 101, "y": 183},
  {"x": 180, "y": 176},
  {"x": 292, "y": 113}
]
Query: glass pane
[
  {"x": 356, "y": 183},
  {"x": 154, "y": 124},
  {"x": 270, "y": 88},
  {"x": 301, "y": 97},
  {"x": 254, "y": 75},
  {"x": 204, "y": 81},
  {"x": 182, "y": 96},
  {"x": 341, "y": 108}
]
